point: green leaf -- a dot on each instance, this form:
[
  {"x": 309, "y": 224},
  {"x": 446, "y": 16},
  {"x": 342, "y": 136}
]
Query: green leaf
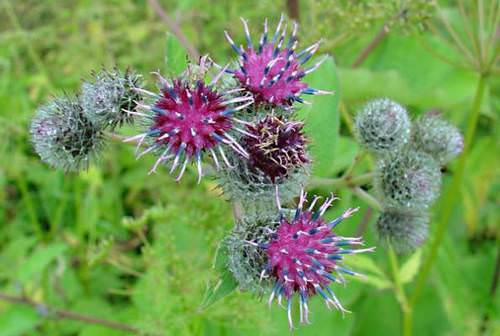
[
  {"x": 372, "y": 274},
  {"x": 224, "y": 285},
  {"x": 18, "y": 320},
  {"x": 322, "y": 117},
  {"x": 176, "y": 59},
  {"x": 409, "y": 269},
  {"x": 39, "y": 260}
]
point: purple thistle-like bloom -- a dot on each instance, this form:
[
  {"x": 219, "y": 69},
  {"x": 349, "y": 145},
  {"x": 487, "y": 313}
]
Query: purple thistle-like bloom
[
  {"x": 190, "y": 118},
  {"x": 273, "y": 72},
  {"x": 275, "y": 146},
  {"x": 303, "y": 253}
]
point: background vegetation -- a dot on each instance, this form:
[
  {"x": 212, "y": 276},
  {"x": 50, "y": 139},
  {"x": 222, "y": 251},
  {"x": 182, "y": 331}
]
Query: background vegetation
[{"x": 112, "y": 251}]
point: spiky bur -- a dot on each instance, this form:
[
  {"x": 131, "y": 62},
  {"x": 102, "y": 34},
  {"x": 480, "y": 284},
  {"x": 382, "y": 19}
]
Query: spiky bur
[
  {"x": 63, "y": 136},
  {"x": 107, "y": 99},
  {"x": 437, "y": 137},
  {"x": 189, "y": 119},
  {"x": 382, "y": 126},
  {"x": 302, "y": 254},
  {"x": 245, "y": 261},
  {"x": 404, "y": 230},
  {"x": 408, "y": 179},
  {"x": 276, "y": 147},
  {"x": 273, "y": 71}
]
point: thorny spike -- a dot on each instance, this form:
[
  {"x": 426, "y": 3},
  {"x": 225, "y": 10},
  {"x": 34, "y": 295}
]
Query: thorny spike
[
  {"x": 219, "y": 75},
  {"x": 198, "y": 166},
  {"x": 233, "y": 45},
  {"x": 315, "y": 66},
  {"x": 183, "y": 168},
  {"x": 177, "y": 157},
  {"x": 263, "y": 38},
  {"x": 216, "y": 161},
  {"x": 278, "y": 28},
  {"x": 247, "y": 33}
]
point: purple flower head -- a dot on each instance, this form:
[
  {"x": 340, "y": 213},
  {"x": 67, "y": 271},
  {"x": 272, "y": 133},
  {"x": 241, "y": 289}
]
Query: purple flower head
[
  {"x": 303, "y": 253},
  {"x": 190, "y": 118},
  {"x": 275, "y": 146},
  {"x": 273, "y": 71}
]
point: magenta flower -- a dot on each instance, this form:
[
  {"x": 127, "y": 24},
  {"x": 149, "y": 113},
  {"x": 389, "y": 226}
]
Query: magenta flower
[
  {"x": 273, "y": 72},
  {"x": 275, "y": 146},
  {"x": 190, "y": 118},
  {"x": 303, "y": 253}
]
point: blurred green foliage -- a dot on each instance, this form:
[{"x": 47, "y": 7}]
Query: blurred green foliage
[{"x": 115, "y": 243}]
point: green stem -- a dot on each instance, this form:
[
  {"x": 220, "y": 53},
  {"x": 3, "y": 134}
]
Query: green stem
[
  {"x": 453, "y": 191},
  {"x": 400, "y": 293},
  {"x": 367, "y": 198},
  {"x": 348, "y": 181}
]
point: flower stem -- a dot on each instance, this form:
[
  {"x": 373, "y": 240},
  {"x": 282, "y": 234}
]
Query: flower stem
[
  {"x": 348, "y": 181},
  {"x": 453, "y": 191},
  {"x": 367, "y": 198},
  {"x": 400, "y": 293}
]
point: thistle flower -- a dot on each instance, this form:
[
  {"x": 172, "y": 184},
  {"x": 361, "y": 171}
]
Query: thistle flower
[
  {"x": 188, "y": 119},
  {"x": 273, "y": 72},
  {"x": 382, "y": 126},
  {"x": 303, "y": 252},
  {"x": 63, "y": 136},
  {"x": 404, "y": 230},
  {"x": 437, "y": 137},
  {"x": 110, "y": 95},
  {"x": 408, "y": 179},
  {"x": 275, "y": 146}
]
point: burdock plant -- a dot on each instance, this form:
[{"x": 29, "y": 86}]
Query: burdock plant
[{"x": 239, "y": 125}]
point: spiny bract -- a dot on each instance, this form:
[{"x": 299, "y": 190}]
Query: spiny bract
[
  {"x": 382, "y": 126},
  {"x": 303, "y": 252},
  {"x": 408, "y": 179},
  {"x": 245, "y": 261},
  {"x": 108, "y": 99},
  {"x": 188, "y": 119},
  {"x": 274, "y": 75},
  {"x": 276, "y": 147},
  {"x": 437, "y": 137},
  {"x": 63, "y": 136},
  {"x": 404, "y": 230}
]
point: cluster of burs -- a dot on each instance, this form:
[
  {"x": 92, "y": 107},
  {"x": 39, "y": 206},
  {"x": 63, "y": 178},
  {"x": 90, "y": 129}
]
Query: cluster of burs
[
  {"x": 69, "y": 131},
  {"x": 409, "y": 156}
]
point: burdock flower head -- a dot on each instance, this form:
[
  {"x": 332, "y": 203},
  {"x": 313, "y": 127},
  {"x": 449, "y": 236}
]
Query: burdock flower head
[
  {"x": 437, "y": 137},
  {"x": 383, "y": 126},
  {"x": 273, "y": 71},
  {"x": 110, "y": 95},
  {"x": 63, "y": 136},
  {"x": 408, "y": 179},
  {"x": 302, "y": 254},
  {"x": 404, "y": 230},
  {"x": 275, "y": 146},
  {"x": 190, "y": 118}
]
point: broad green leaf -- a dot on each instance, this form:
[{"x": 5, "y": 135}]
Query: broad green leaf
[
  {"x": 322, "y": 117},
  {"x": 18, "y": 320},
  {"x": 176, "y": 56},
  {"x": 224, "y": 285},
  {"x": 410, "y": 268},
  {"x": 39, "y": 260}
]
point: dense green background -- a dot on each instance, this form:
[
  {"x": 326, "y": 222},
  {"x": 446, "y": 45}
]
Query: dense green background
[{"x": 115, "y": 243}]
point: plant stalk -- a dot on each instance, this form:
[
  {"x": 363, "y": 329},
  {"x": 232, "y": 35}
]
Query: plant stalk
[{"x": 400, "y": 293}]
